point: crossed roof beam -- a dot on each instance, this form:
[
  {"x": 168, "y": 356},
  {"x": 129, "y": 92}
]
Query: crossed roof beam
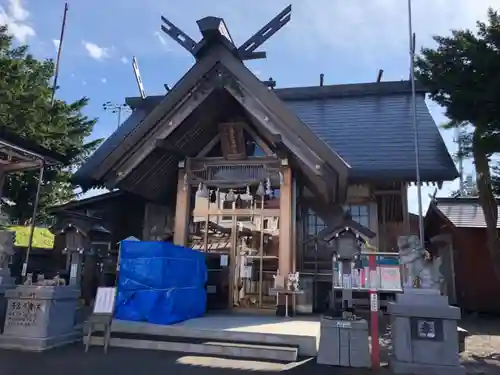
[{"x": 215, "y": 28}]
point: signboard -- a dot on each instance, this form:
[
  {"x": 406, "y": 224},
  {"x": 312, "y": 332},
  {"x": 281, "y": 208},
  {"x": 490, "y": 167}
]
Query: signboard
[
  {"x": 73, "y": 271},
  {"x": 105, "y": 300},
  {"x": 373, "y": 302},
  {"x": 373, "y": 279},
  {"x": 138, "y": 78},
  {"x": 385, "y": 278},
  {"x": 25, "y": 269},
  {"x": 390, "y": 277},
  {"x": 224, "y": 260}
]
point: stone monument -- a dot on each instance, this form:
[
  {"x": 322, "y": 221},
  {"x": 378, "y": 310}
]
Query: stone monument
[
  {"x": 424, "y": 326},
  {"x": 6, "y": 280},
  {"x": 40, "y": 317},
  {"x": 43, "y": 315}
]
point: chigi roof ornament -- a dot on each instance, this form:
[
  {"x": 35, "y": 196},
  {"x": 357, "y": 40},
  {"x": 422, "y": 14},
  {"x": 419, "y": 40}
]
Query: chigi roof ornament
[{"x": 215, "y": 29}]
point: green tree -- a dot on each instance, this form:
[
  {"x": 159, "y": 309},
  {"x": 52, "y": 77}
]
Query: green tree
[
  {"x": 463, "y": 75},
  {"x": 26, "y": 110}
]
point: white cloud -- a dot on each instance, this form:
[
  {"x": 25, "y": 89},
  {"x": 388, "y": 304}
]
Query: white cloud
[
  {"x": 84, "y": 83},
  {"x": 104, "y": 80},
  {"x": 378, "y": 27},
  {"x": 15, "y": 17},
  {"x": 124, "y": 60},
  {"x": 56, "y": 43},
  {"x": 162, "y": 40},
  {"x": 96, "y": 52}
]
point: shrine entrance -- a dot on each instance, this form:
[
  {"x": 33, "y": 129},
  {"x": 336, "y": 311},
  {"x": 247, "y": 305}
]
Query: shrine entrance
[{"x": 240, "y": 234}]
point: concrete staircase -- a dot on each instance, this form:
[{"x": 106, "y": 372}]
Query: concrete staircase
[{"x": 249, "y": 346}]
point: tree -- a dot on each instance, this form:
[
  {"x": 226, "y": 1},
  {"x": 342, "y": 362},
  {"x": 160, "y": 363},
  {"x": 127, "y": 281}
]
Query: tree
[
  {"x": 25, "y": 109},
  {"x": 463, "y": 75}
]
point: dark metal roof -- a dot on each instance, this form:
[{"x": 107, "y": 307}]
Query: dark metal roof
[
  {"x": 373, "y": 132},
  {"x": 462, "y": 212},
  {"x": 369, "y": 125},
  {"x": 81, "y": 203},
  {"x": 83, "y": 175}
]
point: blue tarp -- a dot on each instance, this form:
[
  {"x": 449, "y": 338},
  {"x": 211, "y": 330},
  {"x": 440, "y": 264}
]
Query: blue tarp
[{"x": 160, "y": 283}]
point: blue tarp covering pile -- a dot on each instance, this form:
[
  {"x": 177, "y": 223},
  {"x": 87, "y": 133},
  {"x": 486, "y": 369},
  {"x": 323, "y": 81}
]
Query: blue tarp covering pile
[{"x": 160, "y": 283}]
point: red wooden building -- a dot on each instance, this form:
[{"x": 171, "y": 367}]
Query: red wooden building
[{"x": 461, "y": 223}]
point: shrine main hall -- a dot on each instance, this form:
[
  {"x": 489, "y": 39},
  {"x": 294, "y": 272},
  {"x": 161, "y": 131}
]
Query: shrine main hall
[{"x": 258, "y": 176}]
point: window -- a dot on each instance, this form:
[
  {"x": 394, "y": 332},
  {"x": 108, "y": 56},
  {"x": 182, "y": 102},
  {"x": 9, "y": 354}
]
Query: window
[
  {"x": 360, "y": 213},
  {"x": 314, "y": 223}
]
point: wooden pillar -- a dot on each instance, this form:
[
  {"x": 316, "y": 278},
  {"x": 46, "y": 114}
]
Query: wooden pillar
[
  {"x": 182, "y": 209},
  {"x": 286, "y": 222}
]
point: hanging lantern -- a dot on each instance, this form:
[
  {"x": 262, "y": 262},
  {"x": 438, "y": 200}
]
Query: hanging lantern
[
  {"x": 260, "y": 190},
  {"x": 202, "y": 191},
  {"x": 230, "y": 196}
]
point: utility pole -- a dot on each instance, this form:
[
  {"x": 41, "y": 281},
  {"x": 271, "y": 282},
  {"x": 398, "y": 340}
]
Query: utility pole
[
  {"x": 411, "y": 36},
  {"x": 59, "y": 50},
  {"x": 116, "y": 108},
  {"x": 42, "y": 166}
]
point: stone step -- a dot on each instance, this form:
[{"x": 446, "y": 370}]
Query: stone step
[
  {"x": 307, "y": 345},
  {"x": 214, "y": 348}
]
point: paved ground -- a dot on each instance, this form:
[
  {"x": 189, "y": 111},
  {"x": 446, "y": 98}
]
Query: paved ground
[
  {"x": 482, "y": 357},
  {"x": 134, "y": 362}
]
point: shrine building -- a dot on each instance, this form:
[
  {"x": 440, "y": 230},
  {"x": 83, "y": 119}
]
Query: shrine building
[{"x": 249, "y": 172}]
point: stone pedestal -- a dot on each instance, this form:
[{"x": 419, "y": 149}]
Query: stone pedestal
[
  {"x": 7, "y": 282},
  {"x": 344, "y": 343},
  {"x": 424, "y": 334},
  {"x": 3, "y": 303},
  {"x": 40, "y": 317}
]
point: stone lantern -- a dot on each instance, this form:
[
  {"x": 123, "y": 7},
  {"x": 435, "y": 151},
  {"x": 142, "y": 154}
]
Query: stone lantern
[{"x": 347, "y": 245}]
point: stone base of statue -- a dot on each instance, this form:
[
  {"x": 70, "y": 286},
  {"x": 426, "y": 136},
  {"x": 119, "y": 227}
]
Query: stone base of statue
[
  {"x": 344, "y": 343},
  {"x": 424, "y": 334},
  {"x": 40, "y": 317},
  {"x": 7, "y": 282}
]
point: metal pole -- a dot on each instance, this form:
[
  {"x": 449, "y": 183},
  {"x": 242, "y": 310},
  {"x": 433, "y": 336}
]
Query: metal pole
[
  {"x": 56, "y": 72},
  {"x": 415, "y": 126},
  {"x": 374, "y": 312},
  {"x": 33, "y": 220},
  {"x": 119, "y": 117}
]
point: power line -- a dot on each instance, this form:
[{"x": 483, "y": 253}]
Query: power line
[{"x": 116, "y": 108}]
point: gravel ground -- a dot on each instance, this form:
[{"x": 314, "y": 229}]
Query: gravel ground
[{"x": 482, "y": 356}]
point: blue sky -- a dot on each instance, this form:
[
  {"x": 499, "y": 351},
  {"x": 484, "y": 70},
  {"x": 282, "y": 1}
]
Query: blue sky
[{"x": 347, "y": 40}]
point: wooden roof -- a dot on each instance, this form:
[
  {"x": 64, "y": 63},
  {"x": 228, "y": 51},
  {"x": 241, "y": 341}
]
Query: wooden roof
[
  {"x": 18, "y": 154},
  {"x": 187, "y": 118}
]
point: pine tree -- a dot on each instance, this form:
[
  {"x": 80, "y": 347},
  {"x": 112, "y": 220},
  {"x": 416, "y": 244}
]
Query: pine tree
[{"x": 26, "y": 110}]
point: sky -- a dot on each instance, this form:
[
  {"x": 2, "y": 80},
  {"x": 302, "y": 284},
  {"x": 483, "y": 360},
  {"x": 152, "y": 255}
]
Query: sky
[{"x": 347, "y": 40}]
